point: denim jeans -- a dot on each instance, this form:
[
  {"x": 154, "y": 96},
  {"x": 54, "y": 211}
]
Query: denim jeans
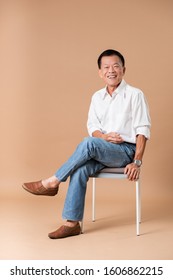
[{"x": 90, "y": 156}]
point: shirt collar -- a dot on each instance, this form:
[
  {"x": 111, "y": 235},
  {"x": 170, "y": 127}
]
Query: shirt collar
[{"x": 119, "y": 89}]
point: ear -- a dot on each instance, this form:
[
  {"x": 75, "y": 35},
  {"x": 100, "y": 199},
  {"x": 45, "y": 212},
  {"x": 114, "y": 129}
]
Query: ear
[
  {"x": 100, "y": 73},
  {"x": 124, "y": 70}
]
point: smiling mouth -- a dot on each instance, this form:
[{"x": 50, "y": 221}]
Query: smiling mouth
[{"x": 111, "y": 77}]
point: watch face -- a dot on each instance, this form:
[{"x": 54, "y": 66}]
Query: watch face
[{"x": 138, "y": 162}]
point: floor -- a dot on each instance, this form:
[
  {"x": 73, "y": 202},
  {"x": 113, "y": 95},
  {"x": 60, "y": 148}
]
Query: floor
[{"x": 27, "y": 219}]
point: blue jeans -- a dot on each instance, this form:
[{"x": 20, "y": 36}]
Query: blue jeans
[{"x": 91, "y": 155}]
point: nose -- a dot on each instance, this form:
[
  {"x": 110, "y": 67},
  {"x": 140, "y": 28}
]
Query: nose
[{"x": 111, "y": 69}]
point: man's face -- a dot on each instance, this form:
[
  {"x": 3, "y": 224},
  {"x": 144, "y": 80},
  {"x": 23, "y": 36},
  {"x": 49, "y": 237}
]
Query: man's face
[{"x": 112, "y": 71}]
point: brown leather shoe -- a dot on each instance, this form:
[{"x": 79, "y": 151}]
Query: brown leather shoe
[
  {"x": 65, "y": 231},
  {"x": 38, "y": 189}
]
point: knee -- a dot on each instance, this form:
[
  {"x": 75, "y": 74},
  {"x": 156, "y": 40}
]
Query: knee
[
  {"x": 90, "y": 143},
  {"x": 90, "y": 140}
]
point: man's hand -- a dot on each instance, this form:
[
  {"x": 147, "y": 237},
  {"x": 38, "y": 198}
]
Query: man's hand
[
  {"x": 113, "y": 137},
  {"x": 132, "y": 171}
]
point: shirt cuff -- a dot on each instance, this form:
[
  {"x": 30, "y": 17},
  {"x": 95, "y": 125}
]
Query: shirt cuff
[
  {"x": 143, "y": 131},
  {"x": 91, "y": 130}
]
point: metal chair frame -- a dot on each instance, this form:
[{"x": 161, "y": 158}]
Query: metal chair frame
[{"x": 116, "y": 173}]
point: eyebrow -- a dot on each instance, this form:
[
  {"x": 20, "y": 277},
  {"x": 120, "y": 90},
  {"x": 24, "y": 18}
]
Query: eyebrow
[{"x": 116, "y": 63}]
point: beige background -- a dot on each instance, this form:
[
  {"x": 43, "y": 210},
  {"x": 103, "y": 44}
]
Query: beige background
[{"x": 48, "y": 73}]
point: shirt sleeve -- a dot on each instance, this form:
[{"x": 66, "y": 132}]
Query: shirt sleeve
[
  {"x": 93, "y": 122},
  {"x": 141, "y": 116}
]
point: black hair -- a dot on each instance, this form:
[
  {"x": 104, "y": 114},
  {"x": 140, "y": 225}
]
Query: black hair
[{"x": 110, "y": 52}]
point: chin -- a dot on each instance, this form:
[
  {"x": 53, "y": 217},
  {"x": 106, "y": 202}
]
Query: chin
[{"x": 113, "y": 84}]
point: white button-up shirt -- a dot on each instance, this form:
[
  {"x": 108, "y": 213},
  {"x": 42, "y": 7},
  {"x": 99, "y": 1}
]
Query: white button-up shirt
[{"x": 126, "y": 113}]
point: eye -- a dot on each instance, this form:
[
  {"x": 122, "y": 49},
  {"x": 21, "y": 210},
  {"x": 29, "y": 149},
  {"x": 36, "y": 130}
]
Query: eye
[{"x": 116, "y": 66}]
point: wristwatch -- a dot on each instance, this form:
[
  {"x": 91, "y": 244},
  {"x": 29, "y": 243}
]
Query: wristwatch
[{"x": 137, "y": 162}]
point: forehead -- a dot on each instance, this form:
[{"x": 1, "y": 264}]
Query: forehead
[{"x": 113, "y": 59}]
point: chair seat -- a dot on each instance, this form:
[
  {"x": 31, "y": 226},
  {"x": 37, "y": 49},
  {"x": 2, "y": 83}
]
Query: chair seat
[{"x": 112, "y": 170}]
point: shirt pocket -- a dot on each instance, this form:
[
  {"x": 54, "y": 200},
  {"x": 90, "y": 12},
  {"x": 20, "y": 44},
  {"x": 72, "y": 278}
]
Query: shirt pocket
[{"x": 124, "y": 123}]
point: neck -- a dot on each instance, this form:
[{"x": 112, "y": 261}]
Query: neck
[{"x": 111, "y": 89}]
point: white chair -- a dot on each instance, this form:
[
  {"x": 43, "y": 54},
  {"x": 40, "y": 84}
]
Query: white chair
[{"x": 116, "y": 173}]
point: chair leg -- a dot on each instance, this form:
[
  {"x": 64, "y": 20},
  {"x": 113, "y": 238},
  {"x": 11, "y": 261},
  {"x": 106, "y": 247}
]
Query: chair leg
[
  {"x": 81, "y": 224},
  {"x": 139, "y": 201},
  {"x": 93, "y": 198},
  {"x": 138, "y": 207}
]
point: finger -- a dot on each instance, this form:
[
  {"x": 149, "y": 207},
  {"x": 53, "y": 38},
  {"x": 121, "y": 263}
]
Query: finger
[
  {"x": 132, "y": 174},
  {"x": 126, "y": 170},
  {"x": 120, "y": 141}
]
